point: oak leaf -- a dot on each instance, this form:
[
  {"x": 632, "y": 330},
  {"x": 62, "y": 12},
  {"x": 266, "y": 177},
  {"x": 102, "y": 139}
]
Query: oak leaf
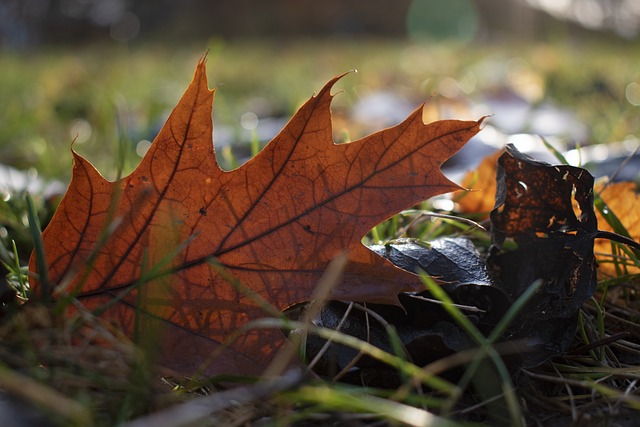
[
  {"x": 623, "y": 200},
  {"x": 272, "y": 224}
]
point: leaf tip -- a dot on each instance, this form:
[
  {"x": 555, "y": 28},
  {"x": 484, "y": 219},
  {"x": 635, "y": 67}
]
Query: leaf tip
[
  {"x": 203, "y": 59},
  {"x": 482, "y": 119},
  {"x": 326, "y": 89},
  {"x": 77, "y": 158},
  {"x": 201, "y": 71}
]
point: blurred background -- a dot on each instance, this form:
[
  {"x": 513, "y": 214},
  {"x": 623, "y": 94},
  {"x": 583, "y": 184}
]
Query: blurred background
[
  {"x": 106, "y": 73},
  {"x": 29, "y": 23}
]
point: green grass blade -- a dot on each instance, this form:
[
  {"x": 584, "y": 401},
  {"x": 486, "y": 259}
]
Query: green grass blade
[
  {"x": 149, "y": 274},
  {"x": 480, "y": 372},
  {"x": 553, "y": 150},
  {"x": 370, "y": 350},
  {"x": 455, "y": 313},
  {"x": 335, "y": 399},
  {"x": 38, "y": 248},
  {"x": 611, "y": 218}
]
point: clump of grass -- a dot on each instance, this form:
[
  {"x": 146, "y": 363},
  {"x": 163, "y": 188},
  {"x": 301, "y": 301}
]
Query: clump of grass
[
  {"x": 596, "y": 381},
  {"x": 82, "y": 371},
  {"x": 72, "y": 367}
]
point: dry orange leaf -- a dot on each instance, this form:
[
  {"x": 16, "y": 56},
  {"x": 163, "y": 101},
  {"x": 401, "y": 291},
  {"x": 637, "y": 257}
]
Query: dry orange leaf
[
  {"x": 273, "y": 224},
  {"x": 483, "y": 181},
  {"x": 624, "y": 201}
]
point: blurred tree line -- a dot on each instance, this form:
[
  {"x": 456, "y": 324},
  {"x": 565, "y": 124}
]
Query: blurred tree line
[{"x": 25, "y": 23}]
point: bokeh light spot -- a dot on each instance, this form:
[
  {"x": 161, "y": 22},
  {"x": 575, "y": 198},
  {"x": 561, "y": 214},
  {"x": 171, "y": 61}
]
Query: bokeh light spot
[
  {"x": 632, "y": 92},
  {"x": 442, "y": 19},
  {"x": 249, "y": 121},
  {"x": 80, "y": 130},
  {"x": 524, "y": 80},
  {"x": 449, "y": 88},
  {"x": 142, "y": 147},
  {"x": 126, "y": 28}
]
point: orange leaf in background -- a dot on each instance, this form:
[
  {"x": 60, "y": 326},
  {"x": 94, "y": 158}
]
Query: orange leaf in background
[
  {"x": 624, "y": 201},
  {"x": 273, "y": 224},
  {"x": 483, "y": 181}
]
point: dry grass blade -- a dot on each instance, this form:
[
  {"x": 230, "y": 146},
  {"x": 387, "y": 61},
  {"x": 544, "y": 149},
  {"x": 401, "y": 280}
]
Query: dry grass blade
[
  {"x": 321, "y": 295},
  {"x": 353, "y": 401},
  {"x": 44, "y": 397},
  {"x": 202, "y": 410}
]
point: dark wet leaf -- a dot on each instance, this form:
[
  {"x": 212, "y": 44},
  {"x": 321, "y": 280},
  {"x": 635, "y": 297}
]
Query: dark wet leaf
[
  {"x": 457, "y": 265},
  {"x": 454, "y": 261},
  {"x": 534, "y": 207},
  {"x": 425, "y": 331},
  {"x": 423, "y": 327}
]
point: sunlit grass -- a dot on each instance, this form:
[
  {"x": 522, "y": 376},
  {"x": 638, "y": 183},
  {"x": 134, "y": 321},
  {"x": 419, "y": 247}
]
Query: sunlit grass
[{"x": 101, "y": 95}]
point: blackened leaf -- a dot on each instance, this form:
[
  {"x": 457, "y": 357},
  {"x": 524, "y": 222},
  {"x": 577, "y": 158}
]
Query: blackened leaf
[
  {"x": 425, "y": 329},
  {"x": 454, "y": 261},
  {"x": 535, "y": 199},
  {"x": 534, "y": 207},
  {"x": 424, "y": 338},
  {"x": 458, "y": 267}
]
